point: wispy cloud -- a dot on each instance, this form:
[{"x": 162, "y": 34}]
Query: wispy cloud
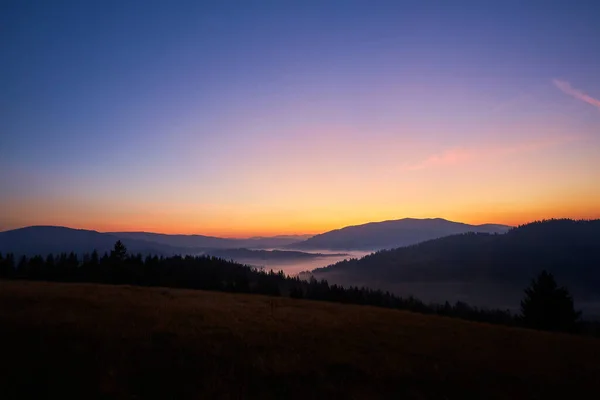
[
  {"x": 451, "y": 156},
  {"x": 566, "y": 87},
  {"x": 461, "y": 155}
]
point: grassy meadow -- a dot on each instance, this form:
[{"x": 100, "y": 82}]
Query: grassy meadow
[{"x": 101, "y": 341}]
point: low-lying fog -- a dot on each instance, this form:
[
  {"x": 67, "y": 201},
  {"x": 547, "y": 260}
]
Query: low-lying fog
[
  {"x": 295, "y": 266},
  {"x": 480, "y": 294},
  {"x": 487, "y": 294}
]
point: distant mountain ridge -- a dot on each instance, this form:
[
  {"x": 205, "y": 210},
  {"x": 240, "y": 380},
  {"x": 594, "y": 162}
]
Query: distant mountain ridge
[
  {"x": 56, "y": 239},
  {"x": 34, "y": 240},
  {"x": 265, "y": 255},
  {"x": 392, "y": 234},
  {"x": 211, "y": 242},
  {"x": 371, "y": 236},
  {"x": 569, "y": 249},
  {"x": 290, "y": 237}
]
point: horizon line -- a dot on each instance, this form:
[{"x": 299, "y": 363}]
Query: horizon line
[{"x": 259, "y": 236}]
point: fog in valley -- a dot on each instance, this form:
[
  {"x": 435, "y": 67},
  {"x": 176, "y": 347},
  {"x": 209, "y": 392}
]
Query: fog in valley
[
  {"x": 293, "y": 267},
  {"x": 480, "y": 294},
  {"x": 487, "y": 294}
]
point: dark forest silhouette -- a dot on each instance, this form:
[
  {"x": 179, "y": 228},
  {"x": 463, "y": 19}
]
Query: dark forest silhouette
[
  {"x": 547, "y": 306},
  {"x": 212, "y": 273},
  {"x": 568, "y": 249}
]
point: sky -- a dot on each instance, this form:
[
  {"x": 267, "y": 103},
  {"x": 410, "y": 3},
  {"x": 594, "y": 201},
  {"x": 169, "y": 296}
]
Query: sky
[{"x": 278, "y": 117}]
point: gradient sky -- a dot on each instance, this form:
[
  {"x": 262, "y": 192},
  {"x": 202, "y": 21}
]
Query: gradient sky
[{"x": 245, "y": 118}]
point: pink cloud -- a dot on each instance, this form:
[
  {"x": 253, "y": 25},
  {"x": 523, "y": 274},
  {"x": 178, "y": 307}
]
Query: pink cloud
[
  {"x": 448, "y": 157},
  {"x": 461, "y": 155},
  {"x": 566, "y": 87}
]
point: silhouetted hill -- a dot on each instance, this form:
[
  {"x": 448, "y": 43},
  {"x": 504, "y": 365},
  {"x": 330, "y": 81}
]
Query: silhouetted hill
[
  {"x": 391, "y": 234},
  {"x": 266, "y": 255},
  {"x": 569, "y": 249},
  {"x": 212, "y": 242},
  {"x": 55, "y": 239},
  {"x": 295, "y": 238}
]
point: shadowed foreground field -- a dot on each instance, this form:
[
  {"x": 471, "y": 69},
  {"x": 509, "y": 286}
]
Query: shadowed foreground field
[{"x": 83, "y": 340}]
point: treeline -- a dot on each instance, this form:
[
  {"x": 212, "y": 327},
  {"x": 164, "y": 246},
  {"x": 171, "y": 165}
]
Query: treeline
[
  {"x": 212, "y": 273},
  {"x": 568, "y": 249}
]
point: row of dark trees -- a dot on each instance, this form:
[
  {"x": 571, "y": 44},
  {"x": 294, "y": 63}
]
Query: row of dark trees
[
  {"x": 569, "y": 249},
  {"x": 546, "y": 306}
]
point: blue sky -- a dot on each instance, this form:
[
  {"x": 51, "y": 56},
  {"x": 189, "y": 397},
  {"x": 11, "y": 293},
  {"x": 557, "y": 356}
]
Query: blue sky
[{"x": 222, "y": 116}]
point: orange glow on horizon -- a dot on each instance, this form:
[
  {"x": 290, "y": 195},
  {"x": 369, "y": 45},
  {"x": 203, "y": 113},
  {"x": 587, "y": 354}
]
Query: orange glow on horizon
[
  {"x": 279, "y": 227},
  {"x": 302, "y": 188}
]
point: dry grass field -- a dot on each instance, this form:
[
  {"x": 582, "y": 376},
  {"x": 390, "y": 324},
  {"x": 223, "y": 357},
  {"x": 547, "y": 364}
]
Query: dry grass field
[{"x": 99, "y": 341}]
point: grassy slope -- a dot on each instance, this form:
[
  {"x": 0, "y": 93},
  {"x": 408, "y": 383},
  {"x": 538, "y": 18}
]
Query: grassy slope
[{"x": 152, "y": 342}]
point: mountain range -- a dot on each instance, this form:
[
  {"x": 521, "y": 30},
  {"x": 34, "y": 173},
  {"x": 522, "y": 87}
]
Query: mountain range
[
  {"x": 371, "y": 236},
  {"x": 246, "y": 255},
  {"x": 391, "y": 234},
  {"x": 569, "y": 249},
  {"x": 433, "y": 259},
  {"x": 199, "y": 242},
  {"x": 56, "y": 239}
]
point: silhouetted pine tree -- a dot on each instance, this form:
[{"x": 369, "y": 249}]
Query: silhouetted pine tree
[
  {"x": 119, "y": 252},
  {"x": 547, "y": 306}
]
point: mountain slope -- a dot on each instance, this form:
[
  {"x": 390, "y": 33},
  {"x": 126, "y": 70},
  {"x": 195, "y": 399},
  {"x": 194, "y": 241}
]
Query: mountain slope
[
  {"x": 55, "y": 239},
  {"x": 569, "y": 249},
  {"x": 391, "y": 234},
  {"x": 189, "y": 241},
  {"x": 211, "y": 242},
  {"x": 264, "y": 255}
]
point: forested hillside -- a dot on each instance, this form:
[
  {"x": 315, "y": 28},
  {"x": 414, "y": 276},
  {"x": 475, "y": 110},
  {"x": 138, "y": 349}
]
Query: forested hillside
[{"x": 568, "y": 249}]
